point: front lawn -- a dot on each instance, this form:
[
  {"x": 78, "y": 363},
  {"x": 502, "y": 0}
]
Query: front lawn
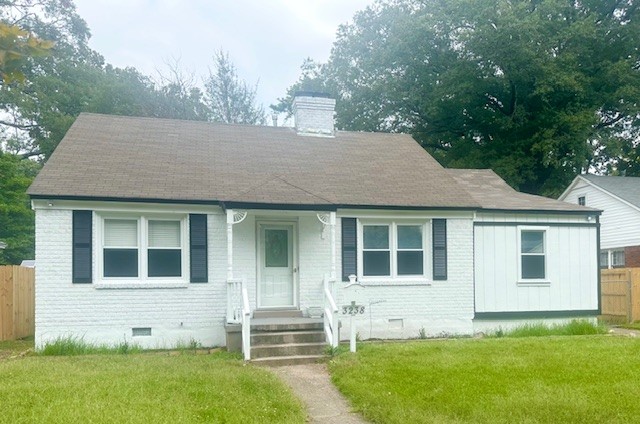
[
  {"x": 142, "y": 388},
  {"x": 573, "y": 379}
]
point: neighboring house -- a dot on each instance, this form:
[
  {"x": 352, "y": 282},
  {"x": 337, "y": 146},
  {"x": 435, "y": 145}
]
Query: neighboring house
[
  {"x": 159, "y": 231},
  {"x": 619, "y": 199}
]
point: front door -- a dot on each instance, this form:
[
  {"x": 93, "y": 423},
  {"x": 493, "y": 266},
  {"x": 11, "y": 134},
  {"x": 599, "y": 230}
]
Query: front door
[{"x": 276, "y": 283}]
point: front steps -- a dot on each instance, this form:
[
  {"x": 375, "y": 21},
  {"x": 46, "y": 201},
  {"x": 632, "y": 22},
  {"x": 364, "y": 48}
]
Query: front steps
[{"x": 287, "y": 341}]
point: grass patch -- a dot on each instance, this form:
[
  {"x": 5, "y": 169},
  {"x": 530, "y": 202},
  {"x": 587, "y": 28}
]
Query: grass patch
[
  {"x": 533, "y": 380},
  {"x": 573, "y": 328},
  {"x": 632, "y": 326},
  {"x": 72, "y": 345},
  {"x": 9, "y": 348},
  {"x": 142, "y": 388}
]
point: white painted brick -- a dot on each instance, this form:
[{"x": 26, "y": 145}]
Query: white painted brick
[{"x": 198, "y": 312}]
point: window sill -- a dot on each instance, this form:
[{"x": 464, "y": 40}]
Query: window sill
[
  {"x": 111, "y": 285},
  {"x": 534, "y": 283},
  {"x": 394, "y": 282}
]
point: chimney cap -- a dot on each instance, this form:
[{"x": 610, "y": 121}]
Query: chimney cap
[{"x": 312, "y": 94}]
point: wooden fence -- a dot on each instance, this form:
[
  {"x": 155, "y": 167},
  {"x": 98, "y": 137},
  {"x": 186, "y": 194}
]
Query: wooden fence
[
  {"x": 17, "y": 302},
  {"x": 620, "y": 290}
]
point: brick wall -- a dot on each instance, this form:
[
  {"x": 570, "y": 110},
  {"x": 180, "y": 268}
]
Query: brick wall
[{"x": 632, "y": 256}]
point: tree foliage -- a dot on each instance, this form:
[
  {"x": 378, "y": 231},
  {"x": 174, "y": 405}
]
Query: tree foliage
[
  {"x": 230, "y": 99},
  {"x": 537, "y": 90},
  {"x": 16, "y": 216}
]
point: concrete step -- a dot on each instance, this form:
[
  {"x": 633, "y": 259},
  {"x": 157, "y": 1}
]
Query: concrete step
[
  {"x": 283, "y": 337},
  {"x": 288, "y": 360},
  {"x": 283, "y": 313},
  {"x": 292, "y": 326},
  {"x": 290, "y": 349}
]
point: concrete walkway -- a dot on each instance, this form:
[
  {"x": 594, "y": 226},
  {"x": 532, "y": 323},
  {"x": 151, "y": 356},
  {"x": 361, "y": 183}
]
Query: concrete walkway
[{"x": 312, "y": 384}]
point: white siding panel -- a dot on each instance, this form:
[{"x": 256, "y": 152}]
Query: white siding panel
[
  {"x": 571, "y": 271},
  {"x": 620, "y": 223}
]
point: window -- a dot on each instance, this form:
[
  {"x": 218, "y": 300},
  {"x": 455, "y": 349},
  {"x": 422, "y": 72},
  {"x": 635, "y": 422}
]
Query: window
[
  {"x": 142, "y": 247},
  {"x": 392, "y": 250},
  {"x": 604, "y": 259},
  {"x": 532, "y": 254},
  {"x": 582, "y": 200},
  {"x": 617, "y": 259},
  {"x": 376, "y": 252},
  {"x": 410, "y": 253}
]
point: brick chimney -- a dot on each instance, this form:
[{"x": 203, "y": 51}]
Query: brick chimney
[{"x": 313, "y": 114}]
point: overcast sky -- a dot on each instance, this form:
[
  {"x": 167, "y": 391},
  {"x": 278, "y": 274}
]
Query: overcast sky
[{"x": 266, "y": 40}]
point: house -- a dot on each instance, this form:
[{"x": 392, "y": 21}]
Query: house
[
  {"x": 619, "y": 198},
  {"x": 158, "y": 231}
]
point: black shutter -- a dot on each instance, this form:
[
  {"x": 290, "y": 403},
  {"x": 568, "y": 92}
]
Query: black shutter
[
  {"x": 349, "y": 248},
  {"x": 198, "y": 248},
  {"x": 81, "y": 247},
  {"x": 439, "y": 249}
]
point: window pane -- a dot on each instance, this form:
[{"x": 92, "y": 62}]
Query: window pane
[
  {"x": 165, "y": 262},
  {"x": 604, "y": 259},
  {"x": 617, "y": 258},
  {"x": 376, "y": 236},
  {"x": 409, "y": 237},
  {"x": 532, "y": 242},
  {"x": 120, "y": 233},
  {"x": 376, "y": 263},
  {"x": 120, "y": 262},
  {"x": 164, "y": 233},
  {"x": 533, "y": 266},
  {"x": 276, "y": 248},
  {"x": 410, "y": 263}
]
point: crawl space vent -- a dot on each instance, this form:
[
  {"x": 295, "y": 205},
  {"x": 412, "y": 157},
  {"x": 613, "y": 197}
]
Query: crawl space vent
[{"x": 140, "y": 331}]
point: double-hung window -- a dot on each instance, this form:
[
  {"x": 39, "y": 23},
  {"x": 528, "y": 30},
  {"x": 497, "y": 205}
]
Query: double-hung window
[
  {"x": 533, "y": 254},
  {"x": 143, "y": 247},
  {"x": 393, "y": 250}
]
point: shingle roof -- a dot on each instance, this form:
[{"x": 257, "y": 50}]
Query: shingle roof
[
  {"x": 116, "y": 157},
  {"x": 626, "y": 188},
  {"x": 145, "y": 158},
  {"x": 492, "y": 192}
]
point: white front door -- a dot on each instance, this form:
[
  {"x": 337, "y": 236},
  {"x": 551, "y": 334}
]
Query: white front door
[{"x": 276, "y": 283}]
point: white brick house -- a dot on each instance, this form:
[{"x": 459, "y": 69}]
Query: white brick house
[{"x": 160, "y": 232}]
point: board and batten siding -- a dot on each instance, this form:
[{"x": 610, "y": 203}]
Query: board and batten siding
[
  {"x": 571, "y": 269},
  {"x": 620, "y": 222}
]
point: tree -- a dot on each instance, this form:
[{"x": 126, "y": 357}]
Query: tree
[
  {"x": 16, "y": 216},
  {"x": 230, "y": 99},
  {"x": 16, "y": 47},
  {"x": 536, "y": 90}
]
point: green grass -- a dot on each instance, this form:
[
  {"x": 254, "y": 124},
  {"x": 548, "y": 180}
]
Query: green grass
[
  {"x": 632, "y": 326},
  {"x": 142, "y": 388},
  {"x": 585, "y": 379},
  {"x": 9, "y": 348},
  {"x": 573, "y": 328},
  {"x": 71, "y": 345}
]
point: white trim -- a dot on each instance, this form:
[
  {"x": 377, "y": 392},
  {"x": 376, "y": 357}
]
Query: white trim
[
  {"x": 394, "y": 278},
  {"x": 142, "y": 280},
  {"x": 533, "y": 281},
  {"x": 294, "y": 265},
  {"x": 126, "y": 207}
]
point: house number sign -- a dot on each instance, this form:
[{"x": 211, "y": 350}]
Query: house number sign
[{"x": 352, "y": 309}]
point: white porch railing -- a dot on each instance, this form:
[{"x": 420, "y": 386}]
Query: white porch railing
[
  {"x": 234, "y": 301},
  {"x": 246, "y": 325},
  {"x": 330, "y": 314}
]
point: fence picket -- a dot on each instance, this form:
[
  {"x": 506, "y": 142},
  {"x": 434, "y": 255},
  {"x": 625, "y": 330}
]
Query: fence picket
[{"x": 17, "y": 302}]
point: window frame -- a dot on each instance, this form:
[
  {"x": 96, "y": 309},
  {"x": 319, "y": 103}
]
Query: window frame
[
  {"x": 612, "y": 255},
  {"x": 545, "y": 231},
  {"x": 142, "y": 220},
  {"x": 393, "y": 276},
  {"x": 582, "y": 200}
]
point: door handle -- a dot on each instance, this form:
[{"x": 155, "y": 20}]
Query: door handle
[{"x": 295, "y": 269}]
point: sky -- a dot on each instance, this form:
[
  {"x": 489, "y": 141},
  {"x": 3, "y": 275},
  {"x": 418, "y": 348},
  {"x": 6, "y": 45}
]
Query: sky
[{"x": 266, "y": 40}]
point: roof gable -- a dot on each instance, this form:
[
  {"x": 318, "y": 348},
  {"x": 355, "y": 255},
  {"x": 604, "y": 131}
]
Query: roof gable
[{"x": 625, "y": 188}]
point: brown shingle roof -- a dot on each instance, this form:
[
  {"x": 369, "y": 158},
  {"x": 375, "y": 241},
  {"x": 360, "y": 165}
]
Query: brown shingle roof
[
  {"x": 144, "y": 158},
  {"x": 492, "y": 192},
  {"x": 116, "y": 157}
]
